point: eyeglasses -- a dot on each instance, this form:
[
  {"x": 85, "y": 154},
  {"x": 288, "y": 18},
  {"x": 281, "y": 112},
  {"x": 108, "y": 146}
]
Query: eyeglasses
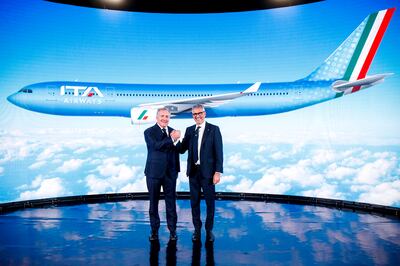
[{"x": 199, "y": 113}]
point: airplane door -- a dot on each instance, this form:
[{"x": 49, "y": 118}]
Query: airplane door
[
  {"x": 51, "y": 94},
  {"x": 110, "y": 95}
]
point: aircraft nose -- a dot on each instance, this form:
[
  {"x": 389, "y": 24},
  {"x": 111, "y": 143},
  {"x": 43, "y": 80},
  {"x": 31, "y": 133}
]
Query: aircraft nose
[{"x": 12, "y": 98}]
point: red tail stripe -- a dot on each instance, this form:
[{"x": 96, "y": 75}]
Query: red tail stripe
[{"x": 375, "y": 46}]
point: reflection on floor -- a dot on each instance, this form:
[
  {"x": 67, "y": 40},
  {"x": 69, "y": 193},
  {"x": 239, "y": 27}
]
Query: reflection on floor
[{"x": 247, "y": 233}]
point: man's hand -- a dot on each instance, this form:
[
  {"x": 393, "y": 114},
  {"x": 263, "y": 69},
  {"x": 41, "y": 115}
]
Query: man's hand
[
  {"x": 175, "y": 134},
  {"x": 216, "y": 178}
]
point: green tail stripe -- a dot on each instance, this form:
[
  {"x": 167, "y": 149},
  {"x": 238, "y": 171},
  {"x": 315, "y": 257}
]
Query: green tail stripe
[
  {"x": 339, "y": 94},
  {"x": 142, "y": 114},
  {"x": 360, "y": 45}
]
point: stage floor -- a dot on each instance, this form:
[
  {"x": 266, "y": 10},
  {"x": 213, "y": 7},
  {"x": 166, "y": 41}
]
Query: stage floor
[{"x": 247, "y": 233}]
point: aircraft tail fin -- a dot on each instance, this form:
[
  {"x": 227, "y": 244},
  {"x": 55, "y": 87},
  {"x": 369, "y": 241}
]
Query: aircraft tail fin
[{"x": 352, "y": 59}]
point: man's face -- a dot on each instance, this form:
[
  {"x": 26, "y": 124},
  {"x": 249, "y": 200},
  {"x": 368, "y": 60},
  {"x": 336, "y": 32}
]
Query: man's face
[
  {"x": 163, "y": 118},
  {"x": 198, "y": 115}
]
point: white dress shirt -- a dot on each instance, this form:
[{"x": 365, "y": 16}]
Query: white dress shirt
[{"x": 201, "y": 133}]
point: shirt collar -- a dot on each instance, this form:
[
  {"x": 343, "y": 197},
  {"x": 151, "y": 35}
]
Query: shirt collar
[
  {"x": 202, "y": 125},
  {"x": 166, "y": 128}
]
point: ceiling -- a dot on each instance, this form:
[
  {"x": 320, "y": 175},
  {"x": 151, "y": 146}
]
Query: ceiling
[{"x": 184, "y": 6}]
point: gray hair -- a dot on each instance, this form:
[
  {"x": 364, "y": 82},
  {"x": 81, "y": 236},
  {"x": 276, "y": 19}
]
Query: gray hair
[
  {"x": 198, "y": 106},
  {"x": 163, "y": 109}
]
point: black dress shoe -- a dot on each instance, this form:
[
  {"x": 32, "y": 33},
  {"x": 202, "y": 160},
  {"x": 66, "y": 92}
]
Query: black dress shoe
[
  {"x": 173, "y": 236},
  {"x": 210, "y": 236},
  {"x": 196, "y": 236},
  {"x": 153, "y": 236}
]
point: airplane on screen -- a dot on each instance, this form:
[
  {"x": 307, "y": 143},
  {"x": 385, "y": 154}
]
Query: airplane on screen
[{"x": 343, "y": 72}]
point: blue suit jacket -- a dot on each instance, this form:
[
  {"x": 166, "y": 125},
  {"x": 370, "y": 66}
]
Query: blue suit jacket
[
  {"x": 211, "y": 151},
  {"x": 162, "y": 154}
]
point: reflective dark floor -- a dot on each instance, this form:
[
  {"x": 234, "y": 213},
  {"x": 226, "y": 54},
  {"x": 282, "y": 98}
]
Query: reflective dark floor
[{"x": 247, "y": 233}]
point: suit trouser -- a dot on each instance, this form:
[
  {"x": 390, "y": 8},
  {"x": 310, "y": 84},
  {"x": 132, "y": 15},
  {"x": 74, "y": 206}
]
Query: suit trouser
[
  {"x": 169, "y": 187},
  {"x": 197, "y": 183}
]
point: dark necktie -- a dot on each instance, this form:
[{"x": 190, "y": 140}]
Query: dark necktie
[
  {"x": 196, "y": 145},
  {"x": 164, "y": 131}
]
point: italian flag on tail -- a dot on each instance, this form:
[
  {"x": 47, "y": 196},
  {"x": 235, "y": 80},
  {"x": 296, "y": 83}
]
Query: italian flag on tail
[{"x": 367, "y": 46}]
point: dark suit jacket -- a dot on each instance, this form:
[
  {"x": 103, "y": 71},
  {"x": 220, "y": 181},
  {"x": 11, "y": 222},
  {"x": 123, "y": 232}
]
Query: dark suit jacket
[
  {"x": 162, "y": 154},
  {"x": 211, "y": 154}
]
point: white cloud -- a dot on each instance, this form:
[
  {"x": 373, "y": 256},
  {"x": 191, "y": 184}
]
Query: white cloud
[
  {"x": 1, "y": 170},
  {"x": 279, "y": 155},
  {"x": 115, "y": 177},
  {"x": 359, "y": 188},
  {"x": 237, "y": 161},
  {"x": 387, "y": 193},
  {"x": 383, "y": 155},
  {"x": 300, "y": 173},
  {"x": 352, "y": 162},
  {"x": 70, "y": 165},
  {"x": 227, "y": 179},
  {"x": 262, "y": 148},
  {"x": 138, "y": 186},
  {"x": 109, "y": 167},
  {"x": 323, "y": 156},
  {"x": 325, "y": 191},
  {"x": 260, "y": 158},
  {"x": 339, "y": 172},
  {"x": 98, "y": 185},
  {"x": 244, "y": 185},
  {"x": 282, "y": 154},
  {"x": 370, "y": 173},
  {"x": 15, "y": 148},
  {"x": 49, "y": 152},
  {"x": 44, "y": 188},
  {"x": 269, "y": 184},
  {"x": 266, "y": 184},
  {"x": 37, "y": 165}
]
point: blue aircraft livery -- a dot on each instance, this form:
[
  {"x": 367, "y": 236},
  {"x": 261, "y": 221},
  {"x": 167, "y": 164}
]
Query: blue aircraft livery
[{"x": 343, "y": 72}]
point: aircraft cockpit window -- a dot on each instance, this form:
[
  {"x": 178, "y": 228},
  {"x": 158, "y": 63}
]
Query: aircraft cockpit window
[{"x": 25, "y": 90}]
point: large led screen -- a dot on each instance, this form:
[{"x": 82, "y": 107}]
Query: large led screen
[{"x": 322, "y": 122}]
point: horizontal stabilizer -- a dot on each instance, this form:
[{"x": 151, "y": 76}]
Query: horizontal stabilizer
[{"x": 343, "y": 85}]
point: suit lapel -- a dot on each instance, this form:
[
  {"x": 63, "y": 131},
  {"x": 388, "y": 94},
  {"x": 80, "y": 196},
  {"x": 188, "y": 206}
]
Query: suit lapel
[
  {"x": 192, "y": 137},
  {"x": 170, "y": 129},
  {"x": 158, "y": 131}
]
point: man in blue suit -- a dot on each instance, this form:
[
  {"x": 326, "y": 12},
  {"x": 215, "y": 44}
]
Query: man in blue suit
[
  {"x": 203, "y": 141},
  {"x": 162, "y": 167}
]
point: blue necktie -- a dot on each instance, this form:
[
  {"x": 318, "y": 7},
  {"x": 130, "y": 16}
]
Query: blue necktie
[{"x": 164, "y": 133}]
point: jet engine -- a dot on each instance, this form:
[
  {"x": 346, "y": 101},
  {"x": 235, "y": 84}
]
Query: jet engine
[{"x": 143, "y": 115}]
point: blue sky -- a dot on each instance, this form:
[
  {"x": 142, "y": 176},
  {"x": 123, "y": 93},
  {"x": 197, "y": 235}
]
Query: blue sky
[{"x": 43, "y": 41}]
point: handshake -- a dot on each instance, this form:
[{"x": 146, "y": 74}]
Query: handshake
[{"x": 175, "y": 135}]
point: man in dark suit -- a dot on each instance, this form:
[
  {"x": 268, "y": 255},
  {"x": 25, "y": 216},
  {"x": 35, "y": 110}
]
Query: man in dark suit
[
  {"x": 203, "y": 141},
  {"x": 162, "y": 167}
]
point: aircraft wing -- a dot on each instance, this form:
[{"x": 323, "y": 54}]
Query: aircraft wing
[{"x": 178, "y": 106}]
